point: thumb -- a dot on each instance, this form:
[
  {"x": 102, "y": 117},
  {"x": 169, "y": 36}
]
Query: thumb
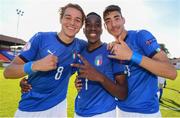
[{"x": 121, "y": 42}]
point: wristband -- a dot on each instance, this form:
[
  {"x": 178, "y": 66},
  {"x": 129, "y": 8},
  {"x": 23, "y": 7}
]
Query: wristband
[
  {"x": 137, "y": 58},
  {"x": 28, "y": 68}
]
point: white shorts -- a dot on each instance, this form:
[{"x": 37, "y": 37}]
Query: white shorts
[
  {"x": 109, "y": 114},
  {"x": 60, "y": 110},
  {"x": 124, "y": 114}
]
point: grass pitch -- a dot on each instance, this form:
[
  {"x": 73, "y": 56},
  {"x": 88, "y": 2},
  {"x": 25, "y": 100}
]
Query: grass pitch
[{"x": 10, "y": 95}]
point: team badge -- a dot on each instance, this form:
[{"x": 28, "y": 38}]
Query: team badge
[
  {"x": 27, "y": 46},
  {"x": 74, "y": 55},
  {"x": 98, "y": 60},
  {"x": 149, "y": 42}
]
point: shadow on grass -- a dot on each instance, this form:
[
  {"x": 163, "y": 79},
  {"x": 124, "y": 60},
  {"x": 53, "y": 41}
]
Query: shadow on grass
[{"x": 170, "y": 104}]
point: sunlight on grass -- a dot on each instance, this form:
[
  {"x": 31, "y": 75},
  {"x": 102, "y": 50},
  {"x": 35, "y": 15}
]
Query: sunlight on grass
[{"x": 10, "y": 95}]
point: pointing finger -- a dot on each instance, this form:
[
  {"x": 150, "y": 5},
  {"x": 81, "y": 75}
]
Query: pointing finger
[
  {"x": 78, "y": 66},
  {"x": 82, "y": 59}
]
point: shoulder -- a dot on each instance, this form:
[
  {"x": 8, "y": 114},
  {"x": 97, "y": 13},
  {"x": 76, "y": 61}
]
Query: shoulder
[
  {"x": 45, "y": 33},
  {"x": 145, "y": 36},
  {"x": 80, "y": 42},
  {"x": 144, "y": 33}
]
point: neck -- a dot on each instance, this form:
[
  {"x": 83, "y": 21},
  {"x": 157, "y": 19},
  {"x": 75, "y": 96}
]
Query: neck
[
  {"x": 65, "y": 38},
  {"x": 93, "y": 46},
  {"x": 122, "y": 36}
]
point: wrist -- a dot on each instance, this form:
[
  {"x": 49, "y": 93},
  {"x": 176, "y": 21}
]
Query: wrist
[
  {"x": 101, "y": 78},
  {"x": 28, "y": 68},
  {"x": 136, "y": 57},
  {"x": 34, "y": 66}
]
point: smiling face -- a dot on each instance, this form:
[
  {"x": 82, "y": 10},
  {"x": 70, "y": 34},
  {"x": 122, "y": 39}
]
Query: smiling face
[
  {"x": 71, "y": 22},
  {"x": 114, "y": 23},
  {"x": 93, "y": 28}
]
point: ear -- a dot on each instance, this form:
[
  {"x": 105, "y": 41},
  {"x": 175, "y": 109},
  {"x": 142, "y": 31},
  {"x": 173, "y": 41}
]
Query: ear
[
  {"x": 60, "y": 20},
  {"x": 101, "y": 31},
  {"x": 123, "y": 20}
]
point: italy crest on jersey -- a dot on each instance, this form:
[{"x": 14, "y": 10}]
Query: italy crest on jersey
[
  {"x": 74, "y": 55},
  {"x": 98, "y": 60}
]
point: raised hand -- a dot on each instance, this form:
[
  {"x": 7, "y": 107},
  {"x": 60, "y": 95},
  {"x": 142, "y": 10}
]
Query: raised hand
[
  {"x": 121, "y": 51},
  {"x": 86, "y": 70},
  {"x": 45, "y": 64}
]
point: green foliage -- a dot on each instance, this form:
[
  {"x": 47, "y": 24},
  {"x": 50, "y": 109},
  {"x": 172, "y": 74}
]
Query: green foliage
[{"x": 163, "y": 47}]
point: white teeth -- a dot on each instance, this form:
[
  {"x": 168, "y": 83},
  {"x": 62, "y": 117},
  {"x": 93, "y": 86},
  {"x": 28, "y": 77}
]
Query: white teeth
[
  {"x": 92, "y": 34},
  {"x": 71, "y": 28}
]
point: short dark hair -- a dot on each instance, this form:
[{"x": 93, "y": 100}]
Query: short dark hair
[
  {"x": 111, "y": 8},
  {"x": 93, "y": 13},
  {"x": 70, "y": 5}
]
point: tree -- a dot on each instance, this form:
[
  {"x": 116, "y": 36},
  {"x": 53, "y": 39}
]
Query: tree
[{"x": 163, "y": 47}]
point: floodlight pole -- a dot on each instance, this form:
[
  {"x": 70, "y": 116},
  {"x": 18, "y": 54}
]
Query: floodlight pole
[{"x": 19, "y": 14}]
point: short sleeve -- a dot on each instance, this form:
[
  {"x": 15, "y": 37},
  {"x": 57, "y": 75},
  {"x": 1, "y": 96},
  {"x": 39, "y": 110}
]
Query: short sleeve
[
  {"x": 118, "y": 68},
  {"x": 31, "y": 48},
  {"x": 148, "y": 43}
]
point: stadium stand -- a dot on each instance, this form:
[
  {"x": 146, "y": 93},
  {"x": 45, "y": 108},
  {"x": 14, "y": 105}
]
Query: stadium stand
[{"x": 7, "y": 53}]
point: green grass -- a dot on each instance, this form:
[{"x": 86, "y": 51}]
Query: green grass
[
  {"x": 10, "y": 94},
  {"x": 171, "y": 98}
]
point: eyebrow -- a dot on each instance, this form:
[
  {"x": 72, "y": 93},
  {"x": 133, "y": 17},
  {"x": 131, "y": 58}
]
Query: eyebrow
[
  {"x": 70, "y": 16},
  {"x": 107, "y": 19},
  {"x": 116, "y": 16}
]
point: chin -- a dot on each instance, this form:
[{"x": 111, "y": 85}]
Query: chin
[{"x": 92, "y": 42}]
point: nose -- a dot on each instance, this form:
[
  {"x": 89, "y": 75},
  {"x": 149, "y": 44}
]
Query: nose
[
  {"x": 113, "y": 23},
  {"x": 72, "y": 22},
  {"x": 93, "y": 27}
]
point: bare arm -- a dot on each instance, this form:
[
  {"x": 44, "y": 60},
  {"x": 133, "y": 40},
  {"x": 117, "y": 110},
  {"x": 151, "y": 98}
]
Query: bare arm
[
  {"x": 158, "y": 65},
  {"x": 16, "y": 68},
  {"x": 118, "y": 89}
]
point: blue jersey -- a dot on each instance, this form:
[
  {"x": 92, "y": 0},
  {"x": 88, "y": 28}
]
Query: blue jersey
[
  {"x": 142, "y": 84},
  {"x": 48, "y": 88},
  {"x": 93, "y": 99}
]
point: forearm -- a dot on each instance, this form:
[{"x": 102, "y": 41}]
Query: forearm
[
  {"x": 159, "y": 68},
  {"x": 119, "y": 91},
  {"x": 14, "y": 71}
]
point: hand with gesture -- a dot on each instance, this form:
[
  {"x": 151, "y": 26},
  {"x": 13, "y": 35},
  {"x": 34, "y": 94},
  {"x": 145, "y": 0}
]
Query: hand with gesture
[
  {"x": 120, "y": 51},
  {"x": 87, "y": 71},
  {"x": 45, "y": 64}
]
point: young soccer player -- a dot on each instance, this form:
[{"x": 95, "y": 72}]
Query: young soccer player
[
  {"x": 46, "y": 60},
  {"x": 145, "y": 62}
]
